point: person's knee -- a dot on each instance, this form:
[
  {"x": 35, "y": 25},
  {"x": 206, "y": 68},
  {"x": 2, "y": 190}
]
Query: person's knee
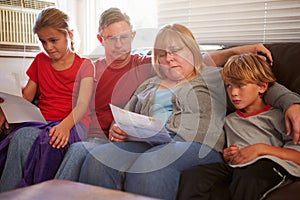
[{"x": 24, "y": 137}]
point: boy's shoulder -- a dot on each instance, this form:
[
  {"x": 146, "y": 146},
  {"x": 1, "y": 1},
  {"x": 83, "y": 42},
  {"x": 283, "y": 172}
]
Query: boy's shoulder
[{"x": 269, "y": 112}]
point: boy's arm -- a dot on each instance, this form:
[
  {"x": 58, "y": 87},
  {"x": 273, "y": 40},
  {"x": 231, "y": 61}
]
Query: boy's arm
[
  {"x": 283, "y": 153},
  {"x": 251, "y": 152}
]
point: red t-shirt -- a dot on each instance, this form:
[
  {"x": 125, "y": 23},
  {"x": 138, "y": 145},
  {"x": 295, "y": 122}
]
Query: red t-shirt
[
  {"x": 59, "y": 89},
  {"x": 116, "y": 86}
]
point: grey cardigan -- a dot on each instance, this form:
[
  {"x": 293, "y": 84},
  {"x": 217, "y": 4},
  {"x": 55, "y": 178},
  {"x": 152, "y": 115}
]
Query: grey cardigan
[{"x": 199, "y": 107}]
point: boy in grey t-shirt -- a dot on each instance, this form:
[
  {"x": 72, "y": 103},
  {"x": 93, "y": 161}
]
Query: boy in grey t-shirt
[{"x": 259, "y": 157}]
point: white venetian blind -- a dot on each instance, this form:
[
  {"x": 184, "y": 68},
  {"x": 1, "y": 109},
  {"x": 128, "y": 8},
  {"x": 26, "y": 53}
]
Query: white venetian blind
[{"x": 236, "y": 21}]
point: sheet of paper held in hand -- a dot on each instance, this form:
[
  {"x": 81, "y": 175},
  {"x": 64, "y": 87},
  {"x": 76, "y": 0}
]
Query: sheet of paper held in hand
[
  {"x": 140, "y": 127},
  {"x": 15, "y": 108}
]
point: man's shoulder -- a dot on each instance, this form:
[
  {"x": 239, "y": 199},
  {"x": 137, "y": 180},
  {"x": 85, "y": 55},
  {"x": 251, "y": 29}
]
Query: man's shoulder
[{"x": 141, "y": 59}]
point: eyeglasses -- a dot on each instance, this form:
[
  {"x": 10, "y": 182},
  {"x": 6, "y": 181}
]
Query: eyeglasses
[
  {"x": 123, "y": 38},
  {"x": 171, "y": 52}
]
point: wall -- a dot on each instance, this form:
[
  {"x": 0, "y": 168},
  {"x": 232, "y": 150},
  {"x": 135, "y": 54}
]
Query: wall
[{"x": 15, "y": 64}]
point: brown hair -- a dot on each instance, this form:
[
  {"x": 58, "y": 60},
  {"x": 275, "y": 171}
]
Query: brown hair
[
  {"x": 178, "y": 33},
  {"x": 111, "y": 16},
  {"x": 248, "y": 68},
  {"x": 55, "y": 18}
]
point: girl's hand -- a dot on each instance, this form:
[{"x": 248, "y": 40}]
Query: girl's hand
[
  {"x": 2, "y": 117},
  {"x": 116, "y": 134},
  {"x": 59, "y": 136}
]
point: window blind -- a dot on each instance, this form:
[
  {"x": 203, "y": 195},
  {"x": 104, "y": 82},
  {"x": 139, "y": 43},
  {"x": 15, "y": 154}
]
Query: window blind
[{"x": 236, "y": 21}]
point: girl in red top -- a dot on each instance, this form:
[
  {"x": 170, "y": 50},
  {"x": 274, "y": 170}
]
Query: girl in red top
[{"x": 64, "y": 81}]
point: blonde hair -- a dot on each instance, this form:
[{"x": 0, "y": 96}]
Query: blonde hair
[
  {"x": 112, "y": 15},
  {"x": 178, "y": 33},
  {"x": 55, "y": 18},
  {"x": 248, "y": 68}
]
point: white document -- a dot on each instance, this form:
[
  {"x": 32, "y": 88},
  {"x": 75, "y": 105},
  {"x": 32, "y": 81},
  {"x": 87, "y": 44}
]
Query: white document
[
  {"x": 140, "y": 127},
  {"x": 10, "y": 83},
  {"x": 15, "y": 108}
]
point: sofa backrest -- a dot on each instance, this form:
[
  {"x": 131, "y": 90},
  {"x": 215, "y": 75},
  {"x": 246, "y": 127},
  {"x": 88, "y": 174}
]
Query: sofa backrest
[{"x": 286, "y": 66}]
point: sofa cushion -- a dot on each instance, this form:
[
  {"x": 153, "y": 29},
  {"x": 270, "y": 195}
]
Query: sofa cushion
[{"x": 286, "y": 66}]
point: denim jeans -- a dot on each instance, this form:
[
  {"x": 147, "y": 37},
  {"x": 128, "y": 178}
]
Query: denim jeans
[
  {"x": 73, "y": 160},
  {"x": 18, "y": 151},
  {"x": 144, "y": 169}
]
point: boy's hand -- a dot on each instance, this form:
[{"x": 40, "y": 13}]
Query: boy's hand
[
  {"x": 230, "y": 152},
  {"x": 247, "y": 154}
]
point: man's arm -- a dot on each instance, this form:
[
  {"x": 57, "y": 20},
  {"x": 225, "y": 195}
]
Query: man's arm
[
  {"x": 219, "y": 57},
  {"x": 280, "y": 97}
]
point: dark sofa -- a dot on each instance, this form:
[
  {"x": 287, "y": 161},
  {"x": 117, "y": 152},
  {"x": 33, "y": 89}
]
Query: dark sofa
[{"x": 286, "y": 67}]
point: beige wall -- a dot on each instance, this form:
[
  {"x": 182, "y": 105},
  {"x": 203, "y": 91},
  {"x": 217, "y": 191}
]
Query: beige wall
[{"x": 17, "y": 65}]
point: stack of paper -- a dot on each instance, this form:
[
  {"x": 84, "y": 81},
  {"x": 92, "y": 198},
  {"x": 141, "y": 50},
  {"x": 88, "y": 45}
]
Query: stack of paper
[
  {"x": 15, "y": 108},
  {"x": 140, "y": 127}
]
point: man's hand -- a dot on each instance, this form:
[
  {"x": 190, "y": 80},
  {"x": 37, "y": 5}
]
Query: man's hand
[
  {"x": 258, "y": 49},
  {"x": 292, "y": 121}
]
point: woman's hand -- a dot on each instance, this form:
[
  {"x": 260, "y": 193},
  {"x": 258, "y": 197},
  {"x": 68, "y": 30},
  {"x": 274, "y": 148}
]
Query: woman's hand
[
  {"x": 59, "y": 135},
  {"x": 116, "y": 134}
]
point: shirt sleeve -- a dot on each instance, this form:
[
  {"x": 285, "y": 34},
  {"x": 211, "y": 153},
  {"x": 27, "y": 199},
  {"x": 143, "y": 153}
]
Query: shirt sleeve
[{"x": 281, "y": 97}]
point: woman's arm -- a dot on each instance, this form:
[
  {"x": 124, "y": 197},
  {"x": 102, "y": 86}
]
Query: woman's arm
[{"x": 60, "y": 134}]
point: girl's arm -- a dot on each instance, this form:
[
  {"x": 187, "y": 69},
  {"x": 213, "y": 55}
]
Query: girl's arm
[
  {"x": 251, "y": 152},
  {"x": 29, "y": 91},
  {"x": 60, "y": 134}
]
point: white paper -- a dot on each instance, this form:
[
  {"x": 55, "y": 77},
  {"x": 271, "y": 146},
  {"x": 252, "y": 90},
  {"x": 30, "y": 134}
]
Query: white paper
[
  {"x": 15, "y": 108},
  {"x": 10, "y": 84},
  {"x": 140, "y": 127}
]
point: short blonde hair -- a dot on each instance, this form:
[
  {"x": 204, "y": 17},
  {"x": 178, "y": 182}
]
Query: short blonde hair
[
  {"x": 248, "y": 68},
  {"x": 112, "y": 15},
  {"x": 178, "y": 33}
]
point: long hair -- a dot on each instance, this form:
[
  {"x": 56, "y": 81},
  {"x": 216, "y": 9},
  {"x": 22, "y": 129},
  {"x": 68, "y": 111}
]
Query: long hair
[{"x": 55, "y": 18}]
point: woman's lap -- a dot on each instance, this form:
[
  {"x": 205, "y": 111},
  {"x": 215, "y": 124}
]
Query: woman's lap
[
  {"x": 146, "y": 167},
  {"x": 160, "y": 178}
]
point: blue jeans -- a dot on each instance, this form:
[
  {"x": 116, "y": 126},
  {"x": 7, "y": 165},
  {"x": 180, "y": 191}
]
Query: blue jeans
[
  {"x": 144, "y": 169},
  {"x": 73, "y": 160},
  {"x": 18, "y": 151}
]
